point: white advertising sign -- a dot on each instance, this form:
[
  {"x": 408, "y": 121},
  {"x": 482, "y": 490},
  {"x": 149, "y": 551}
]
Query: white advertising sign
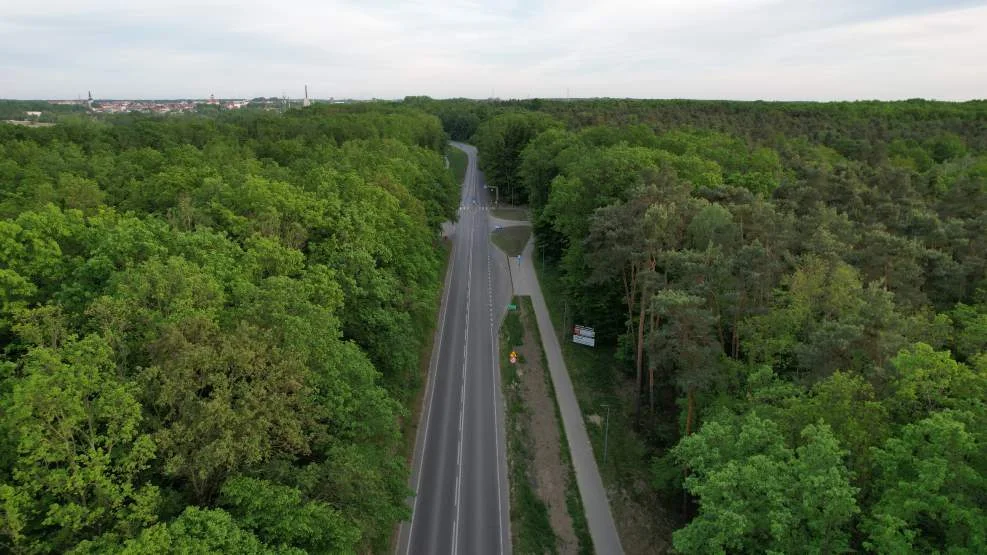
[{"x": 584, "y": 336}]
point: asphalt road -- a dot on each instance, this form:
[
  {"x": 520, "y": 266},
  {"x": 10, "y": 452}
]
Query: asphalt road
[{"x": 459, "y": 473}]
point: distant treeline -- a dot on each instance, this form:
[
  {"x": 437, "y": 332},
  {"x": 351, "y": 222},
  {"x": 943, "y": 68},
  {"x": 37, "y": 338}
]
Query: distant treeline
[
  {"x": 798, "y": 293},
  {"x": 17, "y": 109},
  {"x": 211, "y": 328}
]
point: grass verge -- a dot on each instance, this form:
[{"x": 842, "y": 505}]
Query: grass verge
[
  {"x": 511, "y": 240},
  {"x": 457, "y": 163},
  {"x": 573, "y": 501},
  {"x": 531, "y": 528},
  {"x": 516, "y": 214}
]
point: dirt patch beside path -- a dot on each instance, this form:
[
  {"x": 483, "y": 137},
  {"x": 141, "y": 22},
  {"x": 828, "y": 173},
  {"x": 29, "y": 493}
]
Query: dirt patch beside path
[
  {"x": 547, "y": 469},
  {"x": 546, "y": 511}
]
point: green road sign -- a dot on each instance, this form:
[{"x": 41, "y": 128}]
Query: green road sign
[{"x": 512, "y": 307}]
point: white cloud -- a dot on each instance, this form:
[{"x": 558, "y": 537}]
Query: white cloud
[{"x": 746, "y": 49}]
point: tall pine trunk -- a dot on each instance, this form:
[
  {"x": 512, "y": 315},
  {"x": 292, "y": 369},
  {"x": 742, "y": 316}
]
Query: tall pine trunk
[
  {"x": 735, "y": 336},
  {"x": 640, "y": 364},
  {"x": 655, "y": 320},
  {"x": 689, "y": 416},
  {"x": 691, "y": 410}
]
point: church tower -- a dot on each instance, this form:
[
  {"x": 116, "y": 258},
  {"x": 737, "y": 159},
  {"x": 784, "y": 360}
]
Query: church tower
[{"x": 306, "y": 103}]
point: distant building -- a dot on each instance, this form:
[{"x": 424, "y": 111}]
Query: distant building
[
  {"x": 306, "y": 103},
  {"x": 33, "y": 114}
]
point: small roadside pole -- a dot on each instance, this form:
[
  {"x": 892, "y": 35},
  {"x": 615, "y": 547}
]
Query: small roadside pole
[
  {"x": 606, "y": 433},
  {"x": 565, "y": 317}
]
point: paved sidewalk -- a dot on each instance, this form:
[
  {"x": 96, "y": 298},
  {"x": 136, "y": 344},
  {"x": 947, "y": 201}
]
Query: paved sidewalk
[{"x": 595, "y": 502}]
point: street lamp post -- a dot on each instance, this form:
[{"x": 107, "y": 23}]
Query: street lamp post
[
  {"x": 606, "y": 433},
  {"x": 565, "y": 319}
]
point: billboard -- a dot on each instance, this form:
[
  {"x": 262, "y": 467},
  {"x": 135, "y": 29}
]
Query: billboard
[{"x": 583, "y": 335}]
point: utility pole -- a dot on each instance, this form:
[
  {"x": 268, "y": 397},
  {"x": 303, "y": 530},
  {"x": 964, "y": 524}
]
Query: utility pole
[{"x": 565, "y": 319}]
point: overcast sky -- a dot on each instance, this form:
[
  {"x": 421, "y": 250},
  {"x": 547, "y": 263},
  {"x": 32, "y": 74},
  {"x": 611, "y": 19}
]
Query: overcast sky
[{"x": 737, "y": 49}]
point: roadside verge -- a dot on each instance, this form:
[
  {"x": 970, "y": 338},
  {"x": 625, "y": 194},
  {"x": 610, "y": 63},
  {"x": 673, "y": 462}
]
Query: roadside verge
[{"x": 546, "y": 509}]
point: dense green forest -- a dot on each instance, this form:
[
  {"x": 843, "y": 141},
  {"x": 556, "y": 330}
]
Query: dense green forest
[
  {"x": 797, "y": 293},
  {"x": 211, "y": 328}
]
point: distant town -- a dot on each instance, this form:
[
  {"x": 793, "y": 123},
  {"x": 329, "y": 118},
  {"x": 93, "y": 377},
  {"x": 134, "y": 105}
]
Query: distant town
[
  {"x": 35, "y": 114},
  {"x": 187, "y": 105}
]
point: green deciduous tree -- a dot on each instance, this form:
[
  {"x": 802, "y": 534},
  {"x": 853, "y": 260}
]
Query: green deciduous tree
[
  {"x": 196, "y": 530},
  {"x": 758, "y": 495},
  {"x": 932, "y": 485},
  {"x": 926, "y": 381},
  {"x": 501, "y": 140},
  {"x": 80, "y": 450},
  {"x": 280, "y": 516}
]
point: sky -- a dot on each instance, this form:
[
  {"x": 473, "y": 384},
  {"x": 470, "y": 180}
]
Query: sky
[{"x": 709, "y": 49}]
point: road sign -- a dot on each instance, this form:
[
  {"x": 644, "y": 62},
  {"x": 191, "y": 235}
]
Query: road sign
[
  {"x": 588, "y": 341},
  {"x": 512, "y": 306},
  {"x": 583, "y": 331},
  {"x": 584, "y": 336}
]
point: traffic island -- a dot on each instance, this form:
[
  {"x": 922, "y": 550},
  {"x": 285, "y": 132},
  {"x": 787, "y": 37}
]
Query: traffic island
[{"x": 511, "y": 240}]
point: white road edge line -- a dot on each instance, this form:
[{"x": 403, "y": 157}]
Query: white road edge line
[
  {"x": 431, "y": 395},
  {"x": 462, "y": 398}
]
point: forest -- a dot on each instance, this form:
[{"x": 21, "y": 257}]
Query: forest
[
  {"x": 795, "y": 294},
  {"x": 211, "y": 327}
]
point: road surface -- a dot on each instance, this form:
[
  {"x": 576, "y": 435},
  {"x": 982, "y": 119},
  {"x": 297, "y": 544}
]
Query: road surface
[{"x": 459, "y": 473}]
